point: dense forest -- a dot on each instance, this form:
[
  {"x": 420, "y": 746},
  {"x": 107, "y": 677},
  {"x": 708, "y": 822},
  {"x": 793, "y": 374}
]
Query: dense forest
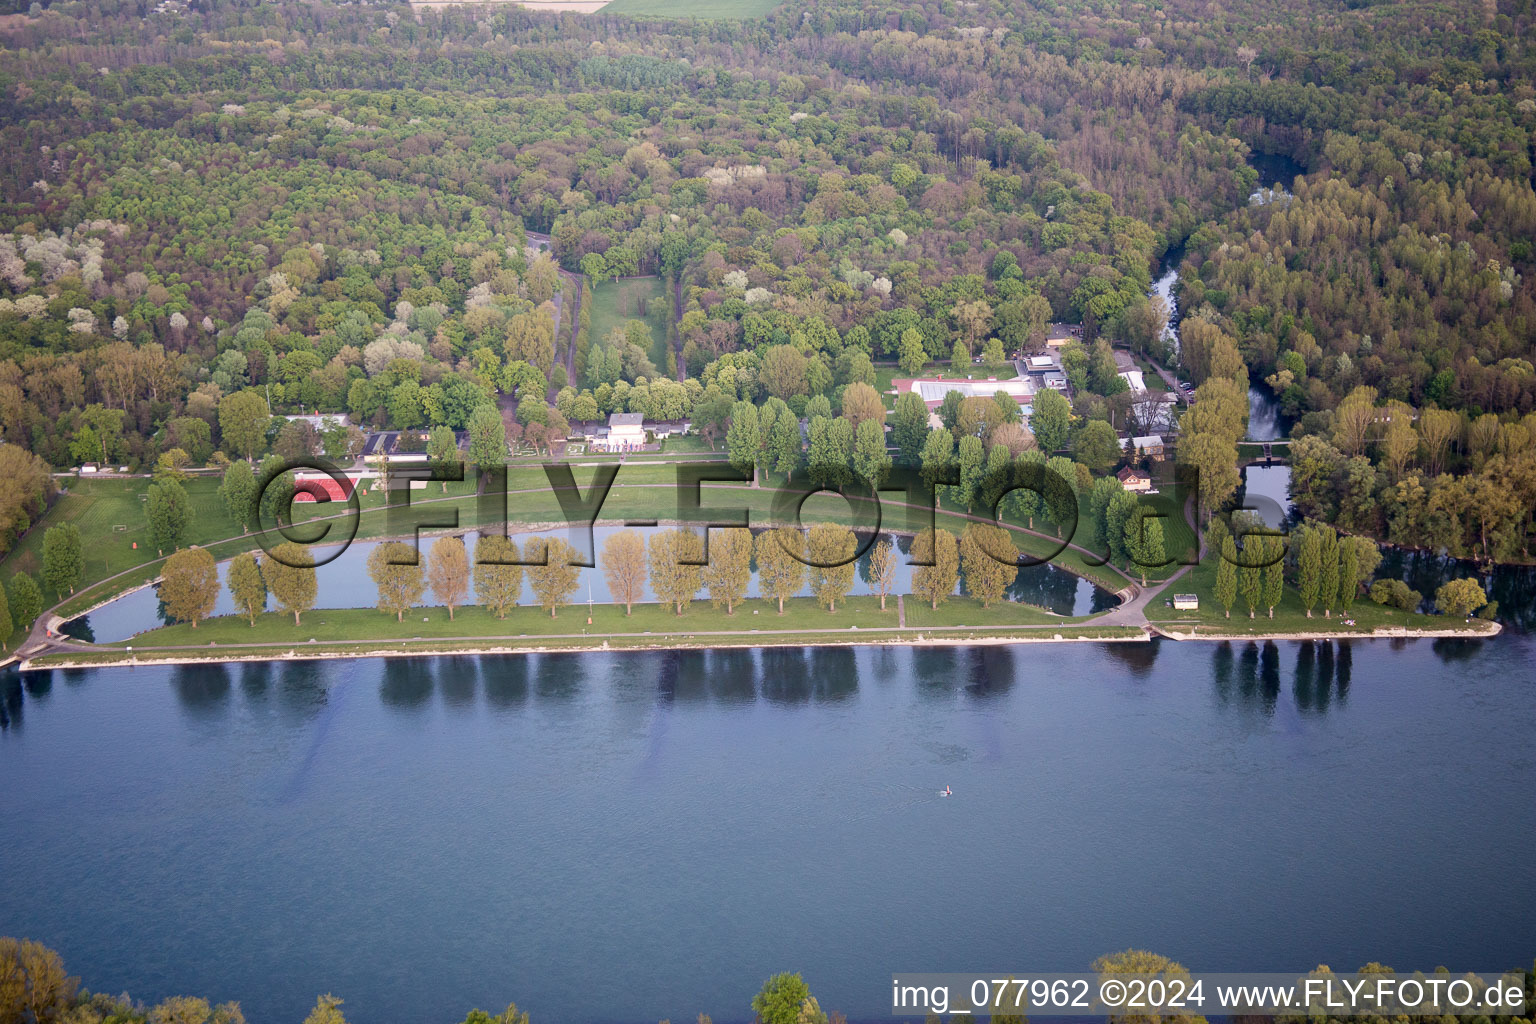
[{"x": 329, "y": 206}]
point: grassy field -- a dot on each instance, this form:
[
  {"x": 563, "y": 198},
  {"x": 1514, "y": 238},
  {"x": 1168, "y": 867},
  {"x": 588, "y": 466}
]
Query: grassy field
[
  {"x": 802, "y": 616},
  {"x": 1290, "y": 616},
  {"x": 641, "y": 492},
  {"x": 730, "y": 9},
  {"x": 614, "y": 302}
]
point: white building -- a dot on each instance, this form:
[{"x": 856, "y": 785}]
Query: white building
[
  {"x": 932, "y": 392},
  {"x": 626, "y": 432}
]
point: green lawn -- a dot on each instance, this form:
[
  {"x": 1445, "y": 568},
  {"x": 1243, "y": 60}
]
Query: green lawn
[
  {"x": 1149, "y": 374},
  {"x": 967, "y": 611},
  {"x": 739, "y": 9},
  {"x": 523, "y": 622},
  {"x": 641, "y": 492},
  {"x": 1290, "y": 616},
  {"x": 614, "y": 302}
]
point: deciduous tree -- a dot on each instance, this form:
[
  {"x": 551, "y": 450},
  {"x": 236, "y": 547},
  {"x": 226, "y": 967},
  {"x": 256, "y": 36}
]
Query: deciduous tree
[
  {"x": 247, "y": 586},
  {"x": 1226, "y": 575},
  {"x": 448, "y": 572},
  {"x": 169, "y": 512},
  {"x": 830, "y": 549},
  {"x": 730, "y": 567},
  {"x": 395, "y": 570},
  {"x": 243, "y": 419},
  {"x": 63, "y": 558},
  {"x": 1460, "y": 597},
  {"x": 555, "y": 579},
  {"x": 988, "y": 560},
  {"x": 238, "y": 492},
  {"x": 935, "y": 582},
  {"x": 780, "y": 564},
  {"x": 289, "y": 570},
  {"x": 189, "y": 586},
  {"x": 880, "y": 569},
  {"x": 673, "y": 579},
  {"x": 624, "y": 567},
  {"x": 26, "y": 600},
  {"x": 498, "y": 579}
]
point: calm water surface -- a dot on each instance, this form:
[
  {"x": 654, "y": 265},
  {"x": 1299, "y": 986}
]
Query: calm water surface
[
  {"x": 344, "y": 583},
  {"x": 630, "y": 837}
]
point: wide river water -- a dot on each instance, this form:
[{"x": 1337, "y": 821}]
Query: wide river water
[{"x": 614, "y": 837}]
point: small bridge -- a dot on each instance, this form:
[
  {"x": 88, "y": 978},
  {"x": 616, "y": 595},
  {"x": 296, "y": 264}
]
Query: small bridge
[{"x": 1269, "y": 453}]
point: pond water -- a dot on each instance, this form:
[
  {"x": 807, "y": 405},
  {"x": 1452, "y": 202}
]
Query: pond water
[
  {"x": 1277, "y": 176},
  {"x": 344, "y": 583},
  {"x": 1267, "y": 491},
  {"x": 630, "y": 837},
  {"x": 1265, "y": 420}
]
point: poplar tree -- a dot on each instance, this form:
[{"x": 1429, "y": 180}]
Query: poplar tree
[
  {"x": 448, "y": 572},
  {"x": 498, "y": 581},
  {"x": 555, "y": 579},
  {"x": 730, "y": 567},
  {"x": 987, "y": 557},
  {"x": 1349, "y": 576},
  {"x": 6, "y": 625},
  {"x": 624, "y": 567},
  {"x": 1251, "y": 578},
  {"x": 673, "y": 580},
  {"x": 780, "y": 564},
  {"x": 831, "y": 553},
  {"x": 972, "y": 459},
  {"x": 1025, "y": 501},
  {"x": 935, "y": 582},
  {"x": 169, "y": 511},
  {"x": 1309, "y": 568},
  {"x": 784, "y": 445},
  {"x": 63, "y": 558},
  {"x": 1328, "y": 578},
  {"x": 396, "y": 571},
  {"x": 743, "y": 438},
  {"x": 238, "y": 492},
  {"x": 1274, "y": 572},
  {"x": 189, "y": 586},
  {"x": 246, "y": 584},
  {"x": 442, "y": 455},
  {"x": 1226, "y": 576},
  {"x": 871, "y": 461},
  {"x": 290, "y": 573},
  {"x": 880, "y": 569},
  {"x": 26, "y": 600}
]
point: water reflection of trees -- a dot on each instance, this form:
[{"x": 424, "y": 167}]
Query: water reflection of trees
[
  {"x": 11, "y": 699},
  {"x": 1251, "y": 674},
  {"x": 458, "y": 677},
  {"x": 1137, "y": 657},
  {"x": 406, "y": 683},
  {"x": 989, "y": 671},
  {"x": 203, "y": 690},
  {"x": 558, "y": 678},
  {"x": 506, "y": 681}
]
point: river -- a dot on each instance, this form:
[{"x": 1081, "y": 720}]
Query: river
[{"x": 635, "y": 836}]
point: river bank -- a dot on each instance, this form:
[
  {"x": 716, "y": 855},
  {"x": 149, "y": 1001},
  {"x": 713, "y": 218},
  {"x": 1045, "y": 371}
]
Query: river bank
[
  {"x": 705, "y": 640},
  {"x": 574, "y": 643}
]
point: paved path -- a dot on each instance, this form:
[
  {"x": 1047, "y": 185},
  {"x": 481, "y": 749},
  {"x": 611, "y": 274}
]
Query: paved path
[{"x": 1173, "y": 382}]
